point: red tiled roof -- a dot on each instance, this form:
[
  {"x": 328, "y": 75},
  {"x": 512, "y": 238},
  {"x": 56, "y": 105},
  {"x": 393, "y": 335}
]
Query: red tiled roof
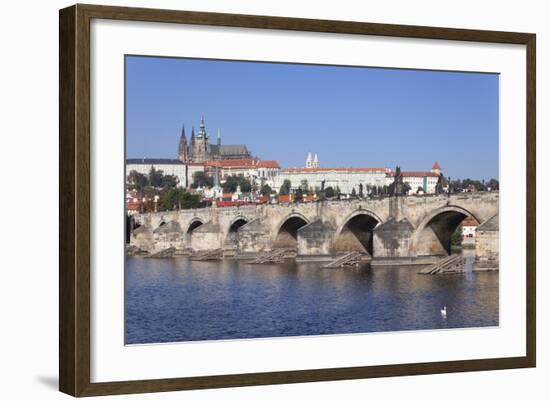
[
  {"x": 243, "y": 163},
  {"x": 133, "y": 206},
  {"x": 268, "y": 164},
  {"x": 414, "y": 174},
  {"x": 336, "y": 169},
  {"x": 436, "y": 166},
  {"x": 470, "y": 222},
  {"x": 285, "y": 198},
  {"x": 419, "y": 174}
]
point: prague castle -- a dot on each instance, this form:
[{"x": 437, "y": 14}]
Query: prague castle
[
  {"x": 192, "y": 156},
  {"x": 199, "y": 149}
]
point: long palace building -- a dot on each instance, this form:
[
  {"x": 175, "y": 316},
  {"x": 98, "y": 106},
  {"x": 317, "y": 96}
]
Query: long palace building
[{"x": 348, "y": 179}]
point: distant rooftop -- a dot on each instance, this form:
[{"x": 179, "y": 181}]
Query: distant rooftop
[
  {"x": 153, "y": 161},
  {"x": 230, "y": 150},
  {"x": 243, "y": 163},
  {"x": 469, "y": 222},
  {"x": 336, "y": 169},
  {"x": 414, "y": 174}
]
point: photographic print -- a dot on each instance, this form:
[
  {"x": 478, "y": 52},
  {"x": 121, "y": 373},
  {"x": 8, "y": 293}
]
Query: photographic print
[{"x": 277, "y": 199}]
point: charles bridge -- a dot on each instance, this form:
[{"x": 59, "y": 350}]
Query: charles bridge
[{"x": 390, "y": 227}]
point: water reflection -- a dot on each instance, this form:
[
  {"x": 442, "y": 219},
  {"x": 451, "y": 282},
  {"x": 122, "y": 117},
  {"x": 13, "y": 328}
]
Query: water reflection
[{"x": 182, "y": 300}]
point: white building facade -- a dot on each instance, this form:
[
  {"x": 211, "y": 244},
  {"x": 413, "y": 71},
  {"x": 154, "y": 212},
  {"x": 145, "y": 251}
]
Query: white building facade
[
  {"x": 349, "y": 179},
  {"x": 419, "y": 181},
  {"x": 184, "y": 171},
  {"x": 257, "y": 171},
  {"x": 345, "y": 179}
]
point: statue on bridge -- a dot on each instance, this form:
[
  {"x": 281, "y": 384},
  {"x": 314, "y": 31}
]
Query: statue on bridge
[
  {"x": 397, "y": 187},
  {"x": 439, "y": 185},
  {"x": 322, "y": 195}
]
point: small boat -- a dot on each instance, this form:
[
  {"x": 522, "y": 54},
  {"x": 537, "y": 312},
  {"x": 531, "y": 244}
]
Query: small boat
[{"x": 444, "y": 311}]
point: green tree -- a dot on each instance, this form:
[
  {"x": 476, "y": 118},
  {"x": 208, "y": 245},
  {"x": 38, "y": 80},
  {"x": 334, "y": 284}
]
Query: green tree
[
  {"x": 137, "y": 181},
  {"x": 493, "y": 184},
  {"x": 329, "y": 192},
  {"x": 456, "y": 238},
  {"x": 304, "y": 186},
  {"x": 179, "y": 198},
  {"x": 169, "y": 181},
  {"x": 285, "y": 188},
  {"x": 266, "y": 190},
  {"x": 200, "y": 179},
  {"x": 353, "y": 192},
  {"x": 155, "y": 177},
  {"x": 231, "y": 183}
]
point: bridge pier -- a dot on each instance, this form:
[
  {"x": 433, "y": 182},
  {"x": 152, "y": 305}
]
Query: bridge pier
[
  {"x": 316, "y": 238},
  {"x": 254, "y": 237},
  {"x": 168, "y": 235},
  {"x": 392, "y": 239},
  {"x": 206, "y": 237},
  {"x": 142, "y": 237}
]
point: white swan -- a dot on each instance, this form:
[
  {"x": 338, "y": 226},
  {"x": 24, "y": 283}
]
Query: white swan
[{"x": 444, "y": 311}]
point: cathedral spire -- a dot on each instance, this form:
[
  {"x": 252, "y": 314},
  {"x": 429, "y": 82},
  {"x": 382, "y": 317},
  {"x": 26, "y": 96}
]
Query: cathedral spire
[
  {"x": 202, "y": 129},
  {"x": 182, "y": 147},
  {"x": 193, "y": 134}
]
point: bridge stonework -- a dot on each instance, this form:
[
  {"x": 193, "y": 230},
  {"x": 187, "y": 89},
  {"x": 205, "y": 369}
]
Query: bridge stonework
[{"x": 387, "y": 227}]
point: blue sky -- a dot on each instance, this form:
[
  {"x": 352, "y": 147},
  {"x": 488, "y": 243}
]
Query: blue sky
[{"x": 350, "y": 116}]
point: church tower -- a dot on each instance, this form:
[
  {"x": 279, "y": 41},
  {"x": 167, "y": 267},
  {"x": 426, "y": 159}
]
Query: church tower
[
  {"x": 309, "y": 160},
  {"x": 436, "y": 168},
  {"x": 315, "y": 161},
  {"x": 201, "y": 144},
  {"x": 182, "y": 148}
]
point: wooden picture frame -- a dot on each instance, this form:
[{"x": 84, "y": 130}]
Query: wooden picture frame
[{"x": 74, "y": 200}]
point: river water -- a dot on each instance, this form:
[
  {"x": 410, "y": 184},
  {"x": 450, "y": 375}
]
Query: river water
[{"x": 170, "y": 300}]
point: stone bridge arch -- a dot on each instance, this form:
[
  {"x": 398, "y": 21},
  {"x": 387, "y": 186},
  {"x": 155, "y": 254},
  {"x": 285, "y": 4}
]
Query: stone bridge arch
[
  {"x": 231, "y": 237},
  {"x": 432, "y": 237},
  {"x": 193, "y": 224},
  {"x": 285, "y": 234},
  {"x": 355, "y": 232}
]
